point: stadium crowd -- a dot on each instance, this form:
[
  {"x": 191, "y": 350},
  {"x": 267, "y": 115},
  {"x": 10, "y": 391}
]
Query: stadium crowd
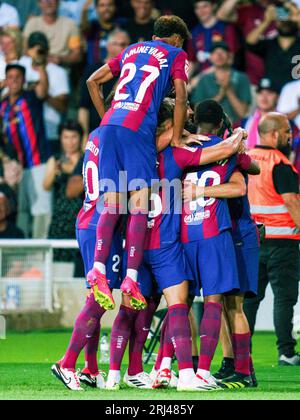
[
  {"x": 242, "y": 53},
  {"x": 245, "y": 55}
]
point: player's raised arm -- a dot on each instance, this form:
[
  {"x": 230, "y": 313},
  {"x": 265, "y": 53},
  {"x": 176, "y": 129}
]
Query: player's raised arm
[
  {"x": 179, "y": 111},
  {"x": 94, "y": 84},
  {"x": 224, "y": 149},
  {"x": 235, "y": 188}
]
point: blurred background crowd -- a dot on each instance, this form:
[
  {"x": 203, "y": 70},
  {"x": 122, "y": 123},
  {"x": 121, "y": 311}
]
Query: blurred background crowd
[{"x": 244, "y": 54}]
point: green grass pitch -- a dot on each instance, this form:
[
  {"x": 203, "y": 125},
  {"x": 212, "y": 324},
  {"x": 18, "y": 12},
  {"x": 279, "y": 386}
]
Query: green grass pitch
[{"x": 25, "y": 361}]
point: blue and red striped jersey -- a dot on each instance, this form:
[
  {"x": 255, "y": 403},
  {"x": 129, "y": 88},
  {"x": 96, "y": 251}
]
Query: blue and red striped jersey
[
  {"x": 93, "y": 205},
  {"x": 146, "y": 73},
  {"x": 23, "y": 127},
  {"x": 244, "y": 229},
  {"x": 164, "y": 219},
  {"x": 207, "y": 217},
  {"x": 199, "y": 46}
]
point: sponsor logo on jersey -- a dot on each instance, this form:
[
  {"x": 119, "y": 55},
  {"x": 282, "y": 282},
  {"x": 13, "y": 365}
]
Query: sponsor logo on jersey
[{"x": 197, "y": 217}]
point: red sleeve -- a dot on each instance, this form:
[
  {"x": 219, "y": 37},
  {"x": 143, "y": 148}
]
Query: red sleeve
[
  {"x": 244, "y": 161},
  {"x": 187, "y": 156},
  {"x": 115, "y": 65},
  {"x": 180, "y": 67}
]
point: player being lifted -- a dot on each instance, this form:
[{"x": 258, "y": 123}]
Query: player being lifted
[{"x": 147, "y": 72}]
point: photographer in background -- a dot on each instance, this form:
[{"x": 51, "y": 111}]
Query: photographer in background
[
  {"x": 278, "y": 53},
  {"x": 56, "y": 101}
]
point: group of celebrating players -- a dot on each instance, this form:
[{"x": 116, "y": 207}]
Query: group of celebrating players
[{"x": 197, "y": 235}]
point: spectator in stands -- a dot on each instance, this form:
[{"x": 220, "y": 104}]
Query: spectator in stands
[
  {"x": 11, "y": 171},
  {"x": 181, "y": 8},
  {"x": 9, "y": 17},
  {"x": 266, "y": 101},
  {"x": 72, "y": 9},
  {"x": 289, "y": 101},
  {"x": 140, "y": 27},
  {"x": 56, "y": 101},
  {"x": 247, "y": 15},
  {"x": 274, "y": 199},
  {"x": 11, "y": 44},
  {"x": 278, "y": 53},
  {"x": 8, "y": 204},
  {"x": 21, "y": 113},
  {"x": 88, "y": 117},
  {"x": 97, "y": 31},
  {"x": 25, "y": 9},
  {"x": 225, "y": 85},
  {"x": 289, "y": 104},
  {"x": 62, "y": 33},
  {"x": 64, "y": 177},
  {"x": 208, "y": 31}
]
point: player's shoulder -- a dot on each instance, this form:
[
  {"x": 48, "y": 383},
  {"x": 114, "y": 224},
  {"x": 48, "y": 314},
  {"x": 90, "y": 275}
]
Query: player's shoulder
[{"x": 213, "y": 141}]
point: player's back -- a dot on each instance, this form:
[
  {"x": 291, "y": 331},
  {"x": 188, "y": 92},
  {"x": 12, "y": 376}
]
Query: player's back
[
  {"x": 164, "y": 219},
  {"x": 244, "y": 228},
  {"x": 207, "y": 217},
  {"x": 89, "y": 214},
  {"x": 146, "y": 72}
]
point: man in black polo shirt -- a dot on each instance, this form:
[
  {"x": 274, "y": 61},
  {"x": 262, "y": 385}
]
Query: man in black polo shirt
[
  {"x": 278, "y": 53},
  {"x": 274, "y": 198}
]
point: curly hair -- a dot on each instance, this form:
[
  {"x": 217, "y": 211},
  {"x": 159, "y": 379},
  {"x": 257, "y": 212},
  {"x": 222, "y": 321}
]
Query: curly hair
[{"x": 167, "y": 26}]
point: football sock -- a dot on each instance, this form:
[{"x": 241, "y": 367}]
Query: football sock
[
  {"x": 210, "y": 332},
  {"x": 139, "y": 337},
  {"x": 241, "y": 349},
  {"x": 166, "y": 363},
  {"x": 91, "y": 352},
  {"x": 163, "y": 341},
  {"x": 136, "y": 234},
  {"x": 85, "y": 326},
  {"x": 179, "y": 331},
  {"x": 105, "y": 231},
  {"x": 121, "y": 331},
  {"x": 186, "y": 375}
]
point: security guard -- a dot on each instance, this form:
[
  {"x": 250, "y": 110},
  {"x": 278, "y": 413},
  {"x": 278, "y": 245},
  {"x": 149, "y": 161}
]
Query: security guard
[{"x": 274, "y": 198}]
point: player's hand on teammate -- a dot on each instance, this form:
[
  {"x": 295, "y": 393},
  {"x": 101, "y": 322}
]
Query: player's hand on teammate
[
  {"x": 193, "y": 139},
  {"x": 236, "y": 140},
  {"x": 191, "y": 191}
]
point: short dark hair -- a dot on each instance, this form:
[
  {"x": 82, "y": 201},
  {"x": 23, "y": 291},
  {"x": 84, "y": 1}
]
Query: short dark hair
[
  {"x": 166, "y": 111},
  {"x": 71, "y": 125},
  {"x": 15, "y": 67},
  {"x": 209, "y": 112},
  {"x": 167, "y": 26}
]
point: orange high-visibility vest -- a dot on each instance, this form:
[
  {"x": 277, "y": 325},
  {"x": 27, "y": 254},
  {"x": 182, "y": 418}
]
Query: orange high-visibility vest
[{"x": 267, "y": 206}]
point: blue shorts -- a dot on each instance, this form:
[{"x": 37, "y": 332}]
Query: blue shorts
[
  {"x": 146, "y": 279},
  {"x": 213, "y": 263},
  {"x": 169, "y": 267},
  {"x": 127, "y": 160},
  {"x": 248, "y": 268},
  {"x": 87, "y": 242}
]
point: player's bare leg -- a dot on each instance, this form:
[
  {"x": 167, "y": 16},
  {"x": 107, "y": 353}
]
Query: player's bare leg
[
  {"x": 135, "y": 238},
  {"x": 105, "y": 230}
]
